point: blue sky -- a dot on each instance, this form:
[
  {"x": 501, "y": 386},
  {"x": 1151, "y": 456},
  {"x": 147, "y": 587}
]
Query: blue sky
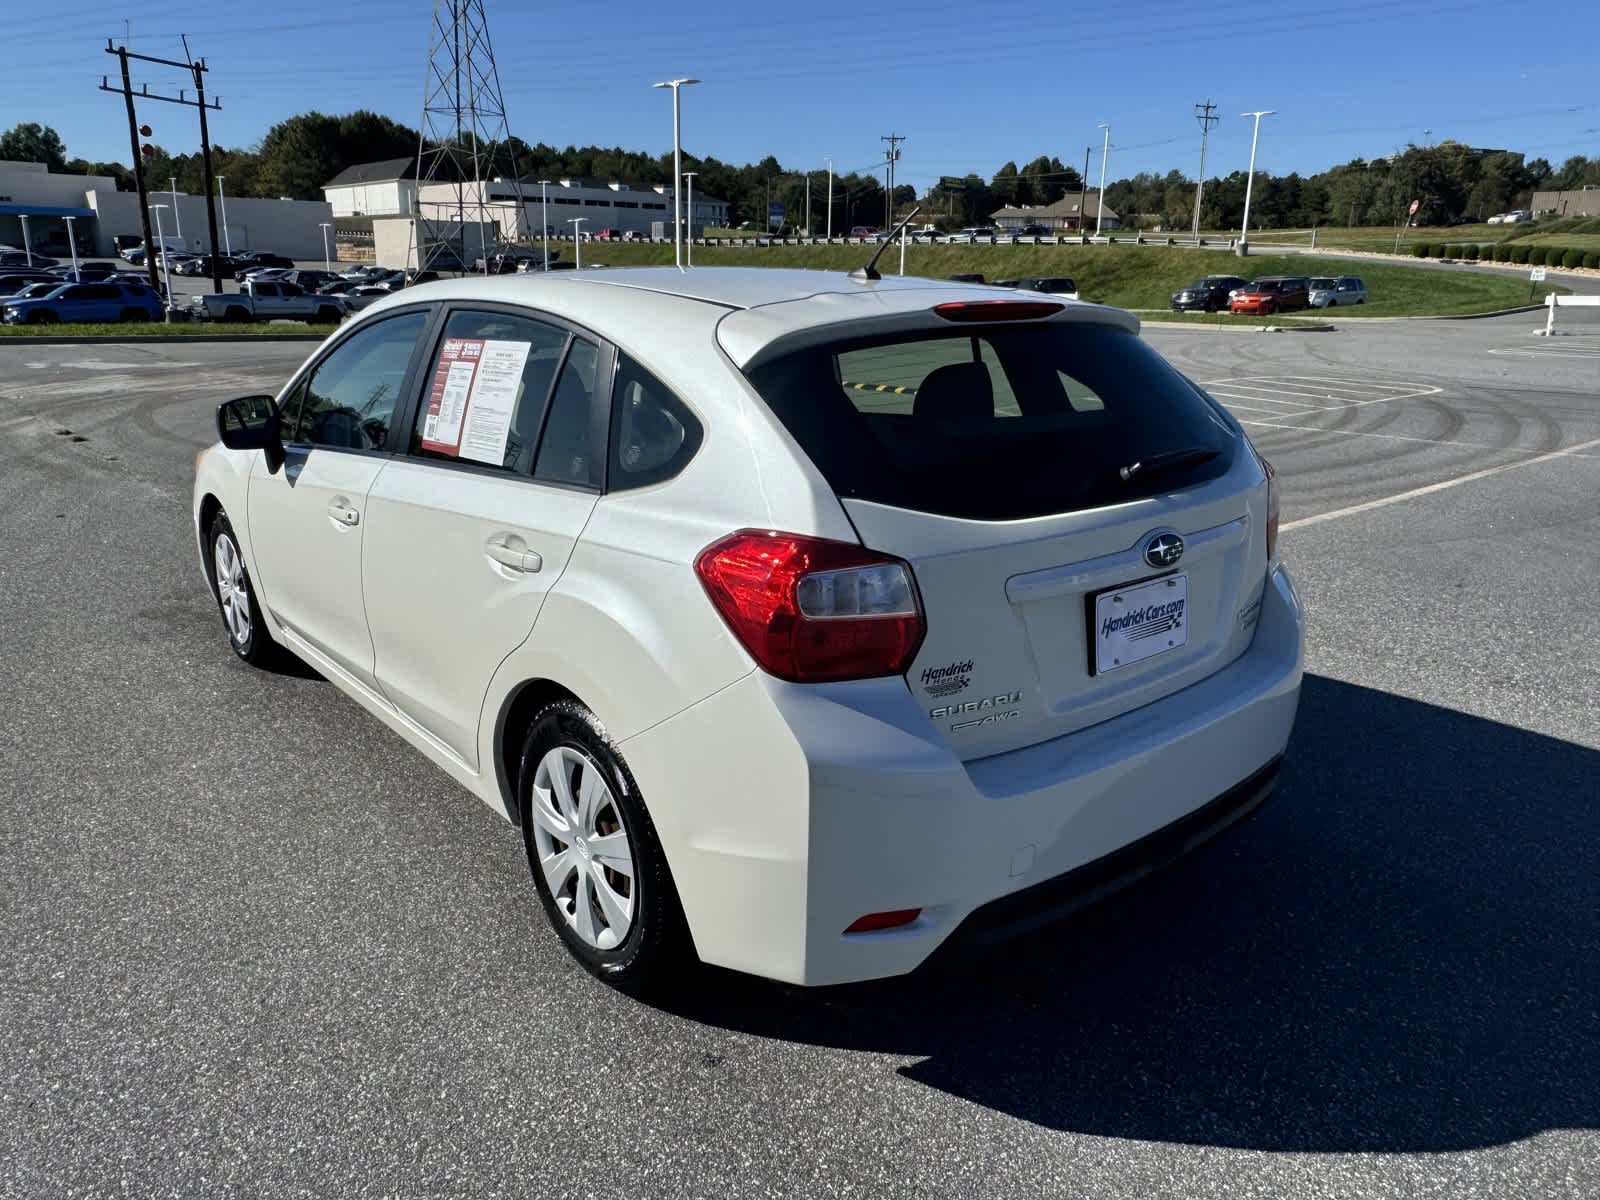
[{"x": 968, "y": 91}]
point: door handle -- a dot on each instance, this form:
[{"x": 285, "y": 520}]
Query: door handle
[
  {"x": 341, "y": 511},
  {"x": 514, "y": 556}
]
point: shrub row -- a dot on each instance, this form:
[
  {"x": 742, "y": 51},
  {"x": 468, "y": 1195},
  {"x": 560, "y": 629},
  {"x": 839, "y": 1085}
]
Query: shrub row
[{"x": 1517, "y": 255}]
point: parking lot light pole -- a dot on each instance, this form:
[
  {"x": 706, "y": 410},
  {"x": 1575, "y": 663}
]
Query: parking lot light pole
[
  {"x": 327, "y": 259},
  {"x": 72, "y": 245},
  {"x": 222, "y": 197},
  {"x": 166, "y": 262},
  {"x": 688, "y": 207},
  {"x": 544, "y": 219},
  {"x": 172, "y": 181},
  {"x": 27, "y": 242},
  {"x": 677, "y": 165},
  {"x": 577, "y": 242},
  {"x": 1100, "y": 200},
  {"x": 1250, "y": 179}
]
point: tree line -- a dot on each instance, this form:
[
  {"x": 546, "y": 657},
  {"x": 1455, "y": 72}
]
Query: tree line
[{"x": 1449, "y": 180}]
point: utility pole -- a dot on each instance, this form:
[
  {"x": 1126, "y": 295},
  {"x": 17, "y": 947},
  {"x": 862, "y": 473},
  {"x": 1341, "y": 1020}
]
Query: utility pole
[
  {"x": 830, "y": 199},
  {"x": 138, "y": 166},
  {"x": 1083, "y": 188},
  {"x": 1100, "y": 200},
  {"x": 197, "y": 70},
  {"x": 1204, "y": 113},
  {"x": 890, "y": 157},
  {"x": 688, "y": 215}
]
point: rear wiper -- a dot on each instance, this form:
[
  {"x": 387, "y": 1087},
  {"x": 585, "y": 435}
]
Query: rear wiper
[{"x": 1167, "y": 461}]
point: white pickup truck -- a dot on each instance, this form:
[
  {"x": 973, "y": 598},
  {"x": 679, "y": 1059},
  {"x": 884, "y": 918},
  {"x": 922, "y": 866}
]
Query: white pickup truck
[{"x": 269, "y": 301}]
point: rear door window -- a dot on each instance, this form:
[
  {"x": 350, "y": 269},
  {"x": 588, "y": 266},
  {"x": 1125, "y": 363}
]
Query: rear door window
[
  {"x": 1000, "y": 423},
  {"x": 488, "y": 388}
]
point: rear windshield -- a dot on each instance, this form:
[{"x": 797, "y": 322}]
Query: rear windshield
[{"x": 998, "y": 423}]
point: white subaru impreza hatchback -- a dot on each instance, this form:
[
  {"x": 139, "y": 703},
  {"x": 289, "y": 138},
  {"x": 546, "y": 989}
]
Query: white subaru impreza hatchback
[{"x": 802, "y": 622}]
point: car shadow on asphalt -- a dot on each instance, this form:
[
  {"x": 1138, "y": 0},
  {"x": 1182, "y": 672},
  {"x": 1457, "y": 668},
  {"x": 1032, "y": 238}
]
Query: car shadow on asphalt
[{"x": 1401, "y": 952}]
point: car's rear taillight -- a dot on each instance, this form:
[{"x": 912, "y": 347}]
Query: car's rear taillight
[
  {"x": 1272, "y": 510},
  {"x": 811, "y": 610}
]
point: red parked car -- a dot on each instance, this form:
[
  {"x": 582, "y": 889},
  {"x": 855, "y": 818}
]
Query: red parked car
[
  {"x": 608, "y": 235},
  {"x": 1274, "y": 294}
]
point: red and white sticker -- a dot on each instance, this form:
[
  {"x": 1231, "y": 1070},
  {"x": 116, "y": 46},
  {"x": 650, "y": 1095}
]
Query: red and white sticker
[{"x": 477, "y": 383}]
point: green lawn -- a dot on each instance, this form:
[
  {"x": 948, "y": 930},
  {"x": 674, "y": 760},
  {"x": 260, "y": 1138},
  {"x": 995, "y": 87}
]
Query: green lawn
[
  {"x": 1575, "y": 233},
  {"x": 112, "y": 332},
  {"x": 1126, "y": 276}
]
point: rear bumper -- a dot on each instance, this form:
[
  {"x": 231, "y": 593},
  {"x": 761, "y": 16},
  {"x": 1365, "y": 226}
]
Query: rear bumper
[{"x": 787, "y": 812}]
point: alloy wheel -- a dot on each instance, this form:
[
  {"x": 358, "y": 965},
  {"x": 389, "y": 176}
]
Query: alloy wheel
[
  {"x": 582, "y": 847},
  {"x": 233, "y": 591}
]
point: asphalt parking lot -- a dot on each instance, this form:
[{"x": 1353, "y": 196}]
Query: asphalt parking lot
[{"x": 253, "y": 944}]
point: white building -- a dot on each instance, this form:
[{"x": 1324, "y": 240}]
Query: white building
[
  {"x": 625, "y": 207},
  {"x": 102, "y": 215},
  {"x": 375, "y": 189}
]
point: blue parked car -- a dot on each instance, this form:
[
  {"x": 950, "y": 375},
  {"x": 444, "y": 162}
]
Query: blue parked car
[{"x": 84, "y": 302}]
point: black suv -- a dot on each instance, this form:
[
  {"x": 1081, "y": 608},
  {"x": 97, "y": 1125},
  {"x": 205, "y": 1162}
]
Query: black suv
[{"x": 1209, "y": 294}]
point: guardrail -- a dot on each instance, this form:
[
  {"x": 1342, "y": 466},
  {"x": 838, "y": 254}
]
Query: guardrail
[{"x": 1553, "y": 301}]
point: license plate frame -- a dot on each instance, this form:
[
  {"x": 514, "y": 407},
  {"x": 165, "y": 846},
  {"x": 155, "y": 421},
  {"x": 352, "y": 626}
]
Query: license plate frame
[{"x": 1141, "y": 640}]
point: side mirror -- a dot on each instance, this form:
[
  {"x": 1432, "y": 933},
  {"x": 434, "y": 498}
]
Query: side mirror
[{"x": 252, "y": 423}]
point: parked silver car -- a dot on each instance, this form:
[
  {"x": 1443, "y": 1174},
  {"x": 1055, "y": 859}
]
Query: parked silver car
[{"x": 1330, "y": 292}]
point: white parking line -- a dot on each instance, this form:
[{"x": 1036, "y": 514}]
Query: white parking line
[
  {"x": 1403, "y": 437},
  {"x": 1266, "y": 400},
  {"x": 1562, "y": 351},
  {"x": 1335, "y": 392},
  {"x": 1442, "y": 485}
]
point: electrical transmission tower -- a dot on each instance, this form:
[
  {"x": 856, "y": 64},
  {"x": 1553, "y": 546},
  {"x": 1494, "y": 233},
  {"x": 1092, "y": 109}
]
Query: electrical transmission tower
[
  {"x": 465, "y": 145},
  {"x": 1204, "y": 113}
]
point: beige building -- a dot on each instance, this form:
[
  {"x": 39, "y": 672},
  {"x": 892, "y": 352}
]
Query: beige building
[
  {"x": 1580, "y": 202},
  {"x": 1062, "y": 216}
]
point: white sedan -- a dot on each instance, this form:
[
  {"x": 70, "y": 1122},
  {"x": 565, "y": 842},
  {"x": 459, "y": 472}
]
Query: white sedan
[{"x": 802, "y": 622}]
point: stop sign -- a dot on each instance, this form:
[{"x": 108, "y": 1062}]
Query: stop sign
[{"x": 1415, "y": 204}]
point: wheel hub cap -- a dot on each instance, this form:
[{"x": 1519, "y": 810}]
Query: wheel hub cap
[{"x": 582, "y": 847}]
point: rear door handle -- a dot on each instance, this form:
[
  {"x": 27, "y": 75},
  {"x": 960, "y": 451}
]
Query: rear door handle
[
  {"x": 513, "y": 554},
  {"x": 341, "y": 511}
]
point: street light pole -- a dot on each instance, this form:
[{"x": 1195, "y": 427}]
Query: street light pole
[
  {"x": 577, "y": 241},
  {"x": 1100, "y": 200},
  {"x": 830, "y": 199},
  {"x": 177, "y": 216},
  {"x": 688, "y": 204},
  {"x": 677, "y": 165},
  {"x": 27, "y": 242},
  {"x": 222, "y": 197},
  {"x": 1250, "y": 179},
  {"x": 72, "y": 244},
  {"x": 166, "y": 263},
  {"x": 544, "y": 220},
  {"x": 327, "y": 259}
]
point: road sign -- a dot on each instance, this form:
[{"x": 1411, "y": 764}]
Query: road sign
[
  {"x": 775, "y": 213},
  {"x": 1412, "y": 211},
  {"x": 1536, "y": 275}
]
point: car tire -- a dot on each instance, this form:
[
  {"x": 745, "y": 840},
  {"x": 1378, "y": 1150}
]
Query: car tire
[
  {"x": 133, "y": 314},
  {"x": 327, "y": 315},
  {"x": 236, "y": 597},
  {"x": 236, "y": 315},
  {"x": 628, "y": 931},
  {"x": 43, "y": 316}
]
